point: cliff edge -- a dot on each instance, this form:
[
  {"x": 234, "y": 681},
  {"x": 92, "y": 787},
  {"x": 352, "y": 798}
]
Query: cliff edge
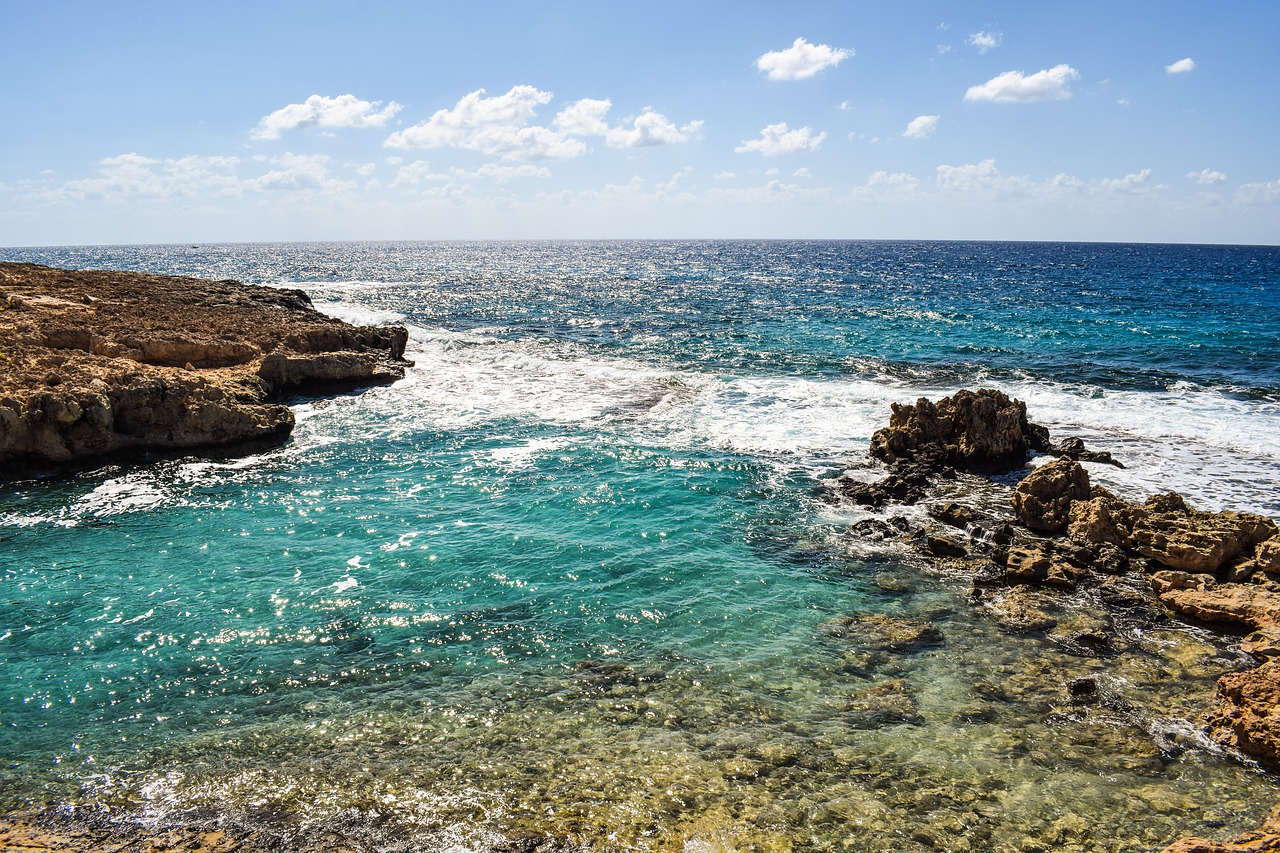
[{"x": 102, "y": 362}]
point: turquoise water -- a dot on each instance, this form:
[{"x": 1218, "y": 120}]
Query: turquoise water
[{"x": 571, "y": 575}]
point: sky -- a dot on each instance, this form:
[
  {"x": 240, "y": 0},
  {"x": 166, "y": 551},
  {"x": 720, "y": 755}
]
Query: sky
[{"x": 167, "y": 122}]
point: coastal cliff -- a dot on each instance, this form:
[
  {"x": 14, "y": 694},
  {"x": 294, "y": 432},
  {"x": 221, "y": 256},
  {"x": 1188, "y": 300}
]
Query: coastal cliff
[{"x": 98, "y": 362}]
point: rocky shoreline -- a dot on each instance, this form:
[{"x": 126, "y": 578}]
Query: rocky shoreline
[
  {"x": 1057, "y": 532},
  {"x": 98, "y": 363}
]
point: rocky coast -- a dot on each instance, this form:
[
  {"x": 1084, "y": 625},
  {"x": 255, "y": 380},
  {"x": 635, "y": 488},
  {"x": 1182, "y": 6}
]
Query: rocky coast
[
  {"x": 99, "y": 363},
  {"x": 1055, "y": 534}
]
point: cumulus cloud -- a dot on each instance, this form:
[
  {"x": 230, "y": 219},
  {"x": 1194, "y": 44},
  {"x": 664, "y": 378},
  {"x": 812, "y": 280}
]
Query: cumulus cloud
[
  {"x": 320, "y": 111},
  {"x": 133, "y": 175},
  {"x": 1266, "y": 192},
  {"x": 779, "y": 139},
  {"x": 1013, "y": 87},
  {"x": 497, "y": 126},
  {"x": 502, "y": 126},
  {"x": 985, "y": 41},
  {"x": 801, "y": 60},
  {"x": 1137, "y": 182},
  {"x": 418, "y": 173},
  {"x": 297, "y": 172},
  {"x": 1182, "y": 66},
  {"x": 1207, "y": 176},
  {"x": 921, "y": 126}
]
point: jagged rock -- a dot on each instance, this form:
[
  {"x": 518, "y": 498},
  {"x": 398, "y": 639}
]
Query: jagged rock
[
  {"x": 1103, "y": 518},
  {"x": 1074, "y": 448},
  {"x": 881, "y": 632},
  {"x": 1267, "y": 557},
  {"x": 979, "y": 431},
  {"x": 1166, "y": 530},
  {"x": 953, "y": 514},
  {"x": 1202, "y": 597},
  {"x": 1043, "y": 498},
  {"x": 1263, "y": 840},
  {"x": 100, "y": 362},
  {"x": 1054, "y": 564},
  {"x": 1246, "y": 711}
]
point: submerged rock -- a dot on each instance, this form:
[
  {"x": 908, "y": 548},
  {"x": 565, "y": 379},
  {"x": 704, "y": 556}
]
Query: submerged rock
[
  {"x": 882, "y": 632},
  {"x": 1263, "y": 840}
]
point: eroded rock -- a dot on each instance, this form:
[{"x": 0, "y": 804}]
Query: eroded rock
[
  {"x": 979, "y": 431},
  {"x": 1043, "y": 498}
]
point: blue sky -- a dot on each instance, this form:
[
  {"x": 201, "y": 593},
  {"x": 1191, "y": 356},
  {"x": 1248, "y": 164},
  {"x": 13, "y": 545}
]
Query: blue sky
[{"x": 163, "y": 122}]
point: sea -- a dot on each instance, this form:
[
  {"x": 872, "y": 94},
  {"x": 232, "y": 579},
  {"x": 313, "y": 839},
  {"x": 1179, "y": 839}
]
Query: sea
[{"x": 575, "y": 576}]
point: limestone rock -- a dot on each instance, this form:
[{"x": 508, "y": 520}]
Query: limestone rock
[
  {"x": 982, "y": 430},
  {"x": 1103, "y": 518},
  {"x": 1263, "y": 644},
  {"x": 1202, "y": 597},
  {"x": 1018, "y": 610},
  {"x": 1264, "y": 840},
  {"x": 101, "y": 362},
  {"x": 1268, "y": 556},
  {"x": 1174, "y": 535},
  {"x": 1043, "y": 499},
  {"x": 886, "y": 703},
  {"x": 1246, "y": 711}
]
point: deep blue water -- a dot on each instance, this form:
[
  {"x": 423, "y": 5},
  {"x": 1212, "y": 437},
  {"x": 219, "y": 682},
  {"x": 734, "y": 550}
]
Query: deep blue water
[{"x": 571, "y": 575}]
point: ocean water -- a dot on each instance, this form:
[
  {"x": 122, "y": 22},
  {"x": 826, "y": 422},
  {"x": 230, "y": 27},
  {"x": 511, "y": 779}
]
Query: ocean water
[{"x": 572, "y": 574}]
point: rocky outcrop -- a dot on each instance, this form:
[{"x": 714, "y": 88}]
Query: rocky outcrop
[
  {"x": 1042, "y": 500},
  {"x": 101, "y": 362},
  {"x": 1246, "y": 711},
  {"x": 976, "y": 431}
]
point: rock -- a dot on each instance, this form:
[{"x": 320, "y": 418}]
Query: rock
[
  {"x": 1262, "y": 840},
  {"x": 101, "y": 362},
  {"x": 942, "y": 546},
  {"x": 1018, "y": 611},
  {"x": 952, "y": 514},
  {"x": 882, "y": 704},
  {"x": 1262, "y": 644},
  {"x": 1202, "y": 597},
  {"x": 1048, "y": 563},
  {"x": 977, "y": 431},
  {"x": 1267, "y": 556},
  {"x": 881, "y": 632},
  {"x": 1246, "y": 711},
  {"x": 1102, "y": 519},
  {"x": 1074, "y": 448},
  {"x": 1043, "y": 499},
  {"x": 1166, "y": 530}
]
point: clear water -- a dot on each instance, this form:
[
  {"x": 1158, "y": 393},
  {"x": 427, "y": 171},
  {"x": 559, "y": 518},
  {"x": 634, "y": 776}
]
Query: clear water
[{"x": 570, "y": 575}]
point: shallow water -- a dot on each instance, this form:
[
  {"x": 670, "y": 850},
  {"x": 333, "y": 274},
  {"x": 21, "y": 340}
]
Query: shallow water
[{"x": 570, "y": 575}]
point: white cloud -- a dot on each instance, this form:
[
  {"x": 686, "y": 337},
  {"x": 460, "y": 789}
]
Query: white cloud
[
  {"x": 724, "y": 176},
  {"x": 1207, "y": 176},
  {"x": 419, "y": 172},
  {"x": 921, "y": 127},
  {"x": 985, "y": 41},
  {"x": 651, "y": 128},
  {"x": 801, "y": 60},
  {"x": 320, "y": 111},
  {"x": 496, "y": 126},
  {"x": 1137, "y": 182},
  {"x": 1267, "y": 192},
  {"x": 136, "y": 176},
  {"x": 1012, "y": 87},
  {"x": 802, "y": 172},
  {"x": 297, "y": 173},
  {"x": 973, "y": 179},
  {"x": 1182, "y": 66},
  {"x": 779, "y": 139},
  {"x": 502, "y": 126}
]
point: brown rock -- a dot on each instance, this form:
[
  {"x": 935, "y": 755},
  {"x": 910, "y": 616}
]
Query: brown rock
[
  {"x": 101, "y": 362},
  {"x": 885, "y": 703},
  {"x": 1203, "y": 597},
  {"x": 1268, "y": 556},
  {"x": 1018, "y": 610},
  {"x": 982, "y": 430},
  {"x": 1043, "y": 499},
  {"x": 1262, "y": 644},
  {"x": 1246, "y": 711},
  {"x": 1102, "y": 519},
  {"x": 1166, "y": 530}
]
